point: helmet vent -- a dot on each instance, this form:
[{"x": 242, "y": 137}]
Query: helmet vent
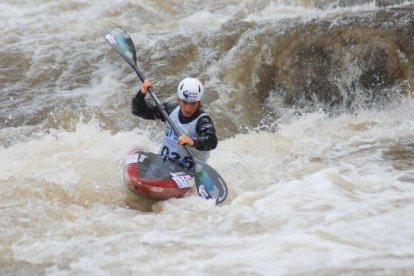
[
  {"x": 199, "y": 89},
  {"x": 181, "y": 88}
]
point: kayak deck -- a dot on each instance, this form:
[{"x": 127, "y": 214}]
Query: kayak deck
[{"x": 152, "y": 176}]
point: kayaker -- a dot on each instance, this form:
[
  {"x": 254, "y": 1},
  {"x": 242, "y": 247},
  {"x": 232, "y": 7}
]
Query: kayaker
[{"x": 197, "y": 127}]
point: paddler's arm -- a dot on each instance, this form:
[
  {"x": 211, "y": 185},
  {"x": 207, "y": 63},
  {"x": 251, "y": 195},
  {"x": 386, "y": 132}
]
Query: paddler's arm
[
  {"x": 142, "y": 109},
  {"x": 207, "y": 139}
]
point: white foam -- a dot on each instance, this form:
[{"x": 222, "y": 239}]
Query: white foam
[
  {"x": 306, "y": 193},
  {"x": 315, "y": 197}
]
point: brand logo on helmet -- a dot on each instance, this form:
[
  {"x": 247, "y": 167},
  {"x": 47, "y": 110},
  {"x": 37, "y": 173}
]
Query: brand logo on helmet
[{"x": 191, "y": 96}]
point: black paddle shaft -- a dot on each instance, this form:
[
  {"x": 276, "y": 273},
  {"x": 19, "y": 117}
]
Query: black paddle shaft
[
  {"x": 126, "y": 48},
  {"x": 162, "y": 109}
]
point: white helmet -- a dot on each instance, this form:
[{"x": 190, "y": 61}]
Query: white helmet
[{"x": 190, "y": 90}]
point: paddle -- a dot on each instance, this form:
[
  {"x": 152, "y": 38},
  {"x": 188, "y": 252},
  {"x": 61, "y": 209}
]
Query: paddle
[{"x": 209, "y": 183}]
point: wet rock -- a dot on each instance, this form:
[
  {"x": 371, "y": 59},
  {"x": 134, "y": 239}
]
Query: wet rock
[
  {"x": 350, "y": 62},
  {"x": 323, "y": 4},
  {"x": 385, "y": 3}
]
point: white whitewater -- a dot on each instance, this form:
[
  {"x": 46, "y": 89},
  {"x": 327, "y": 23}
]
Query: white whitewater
[{"x": 322, "y": 195}]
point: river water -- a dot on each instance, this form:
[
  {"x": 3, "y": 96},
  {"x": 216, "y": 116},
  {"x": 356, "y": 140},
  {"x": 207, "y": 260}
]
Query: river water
[{"x": 314, "y": 189}]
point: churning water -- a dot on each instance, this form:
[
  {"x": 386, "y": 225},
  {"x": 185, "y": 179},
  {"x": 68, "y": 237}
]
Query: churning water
[{"x": 317, "y": 185}]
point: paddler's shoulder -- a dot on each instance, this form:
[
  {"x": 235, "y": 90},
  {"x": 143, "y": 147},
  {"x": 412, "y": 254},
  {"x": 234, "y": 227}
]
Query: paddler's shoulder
[{"x": 170, "y": 106}]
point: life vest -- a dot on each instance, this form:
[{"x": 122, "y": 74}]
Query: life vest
[{"x": 175, "y": 152}]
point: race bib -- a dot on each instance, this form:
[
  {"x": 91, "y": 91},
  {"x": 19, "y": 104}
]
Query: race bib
[
  {"x": 181, "y": 179},
  {"x": 132, "y": 159}
]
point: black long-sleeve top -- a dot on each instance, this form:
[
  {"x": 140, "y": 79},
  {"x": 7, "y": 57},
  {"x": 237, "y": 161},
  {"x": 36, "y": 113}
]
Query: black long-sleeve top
[{"x": 207, "y": 139}]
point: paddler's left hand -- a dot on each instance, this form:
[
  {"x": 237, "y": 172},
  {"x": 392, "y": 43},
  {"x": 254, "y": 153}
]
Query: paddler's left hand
[{"x": 185, "y": 140}]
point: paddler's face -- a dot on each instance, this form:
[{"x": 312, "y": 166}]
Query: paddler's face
[{"x": 188, "y": 109}]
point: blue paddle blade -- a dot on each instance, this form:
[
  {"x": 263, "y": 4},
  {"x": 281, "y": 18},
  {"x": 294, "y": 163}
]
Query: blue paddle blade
[
  {"x": 209, "y": 183},
  {"x": 122, "y": 43}
]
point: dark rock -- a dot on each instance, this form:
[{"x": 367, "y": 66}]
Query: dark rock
[
  {"x": 385, "y": 3},
  {"x": 334, "y": 64}
]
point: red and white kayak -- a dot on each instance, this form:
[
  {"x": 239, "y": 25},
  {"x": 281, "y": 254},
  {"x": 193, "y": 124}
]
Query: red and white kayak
[{"x": 150, "y": 175}]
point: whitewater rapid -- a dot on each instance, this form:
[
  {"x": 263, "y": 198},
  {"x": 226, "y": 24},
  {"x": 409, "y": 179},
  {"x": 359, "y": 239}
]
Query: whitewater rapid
[
  {"x": 311, "y": 192},
  {"x": 318, "y": 196}
]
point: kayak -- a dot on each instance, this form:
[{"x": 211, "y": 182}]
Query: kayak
[
  {"x": 156, "y": 177},
  {"x": 150, "y": 175}
]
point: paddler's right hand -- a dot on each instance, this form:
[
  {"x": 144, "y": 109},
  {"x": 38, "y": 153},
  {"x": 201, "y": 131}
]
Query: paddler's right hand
[{"x": 145, "y": 85}]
